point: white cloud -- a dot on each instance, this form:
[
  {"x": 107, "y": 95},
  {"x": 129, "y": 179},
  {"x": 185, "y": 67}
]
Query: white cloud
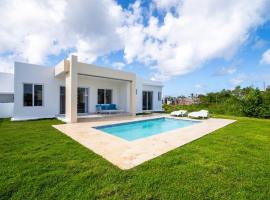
[
  {"x": 166, "y": 4},
  {"x": 266, "y": 57},
  {"x": 199, "y": 86},
  {"x": 259, "y": 43},
  {"x": 28, "y": 28},
  {"x": 6, "y": 64},
  {"x": 225, "y": 71},
  {"x": 118, "y": 65},
  {"x": 94, "y": 25},
  {"x": 185, "y": 36},
  {"x": 239, "y": 79},
  {"x": 194, "y": 33},
  {"x": 32, "y": 30}
]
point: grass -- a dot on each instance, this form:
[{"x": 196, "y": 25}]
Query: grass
[{"x": 38, "y": 162}]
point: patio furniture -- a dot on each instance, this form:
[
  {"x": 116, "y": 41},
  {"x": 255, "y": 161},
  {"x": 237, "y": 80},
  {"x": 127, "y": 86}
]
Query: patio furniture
[
  {"x": 178, "y": 113},
  {"x": 200, "y": 114},
  {"x": 107, "y": 108}
]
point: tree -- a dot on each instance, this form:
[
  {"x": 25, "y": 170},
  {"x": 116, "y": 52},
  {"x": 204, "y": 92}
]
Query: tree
[{"x": 253, "y": 103}]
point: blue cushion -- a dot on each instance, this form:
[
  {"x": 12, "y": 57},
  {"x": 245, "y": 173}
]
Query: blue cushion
[
  {"x": 106, "y": 107},
  {"x": 103, "y": 107},
  {"x": 112, "y": 107},
  {"x": 98, "y": 107}
]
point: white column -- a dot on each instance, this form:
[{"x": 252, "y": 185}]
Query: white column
[
  {"x": 71, "y": 91},
  {"x": 133, "y": 98}
]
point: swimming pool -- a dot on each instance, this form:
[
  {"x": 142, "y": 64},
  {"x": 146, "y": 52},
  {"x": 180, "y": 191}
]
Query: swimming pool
[{"x": 144, "y": 128}]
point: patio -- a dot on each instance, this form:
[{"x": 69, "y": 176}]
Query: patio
[{"x": 128, "y": 154}]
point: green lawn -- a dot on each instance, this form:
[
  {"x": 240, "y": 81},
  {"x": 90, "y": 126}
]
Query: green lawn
[{"x": 38, "y": 162}]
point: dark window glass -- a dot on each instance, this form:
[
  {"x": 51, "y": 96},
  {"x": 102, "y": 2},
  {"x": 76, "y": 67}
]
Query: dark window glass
[
  {"x": 6, "y": 98},
  {"x": 159, "y": 96},
  {"x": 62, "y": 100},
  {"x": 150, "y": 101},
  {"x": 104, "y": 96},
  {"x": 28, "y": 95},
  {"x": 101, "y": 96},
  {"x": 38, "y": 95},
  {"x": 144, "y": 101},
  {"x": 82, "y": 100},
  {"x": 108, "y": 96},
  {"x": 147, "y": 100}
]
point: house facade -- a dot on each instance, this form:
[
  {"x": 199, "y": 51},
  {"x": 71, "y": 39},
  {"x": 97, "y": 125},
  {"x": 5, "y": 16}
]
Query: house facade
[{"x": 73, "y": 89}]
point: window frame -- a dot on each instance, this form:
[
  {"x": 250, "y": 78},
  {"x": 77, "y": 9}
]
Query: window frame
[{"x": 33, "y": 94}]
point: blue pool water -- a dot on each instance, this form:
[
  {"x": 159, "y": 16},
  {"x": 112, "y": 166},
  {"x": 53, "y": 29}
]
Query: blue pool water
[{"x": 140, "y": 129}]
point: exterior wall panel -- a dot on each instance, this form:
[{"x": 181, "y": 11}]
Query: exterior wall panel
[
  {"x": 35, "y": 74},
  {"x": 6, "y": 110}
]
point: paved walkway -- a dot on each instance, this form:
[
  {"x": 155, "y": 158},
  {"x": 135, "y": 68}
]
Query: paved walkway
[{"x": 128, "y": 154}]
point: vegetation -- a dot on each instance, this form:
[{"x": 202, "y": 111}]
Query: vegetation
[
  {"x": 39, "y": 162},
  {"x": 249, "y": 102}
]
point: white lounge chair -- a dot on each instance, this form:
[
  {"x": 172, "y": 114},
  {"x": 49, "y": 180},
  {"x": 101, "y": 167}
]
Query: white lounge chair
[
  {"x": 200, "y": 114},
  {"x": 179, "y": 113}
]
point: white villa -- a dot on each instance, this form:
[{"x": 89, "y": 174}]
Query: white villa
[{"x": 72, "y": 89}]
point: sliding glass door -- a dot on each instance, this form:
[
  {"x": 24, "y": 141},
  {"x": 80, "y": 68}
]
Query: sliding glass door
[
  {"x": 82, "y": 100},
  {"x": 147, "y": 100},
  {"x": 62, "y": 100}
]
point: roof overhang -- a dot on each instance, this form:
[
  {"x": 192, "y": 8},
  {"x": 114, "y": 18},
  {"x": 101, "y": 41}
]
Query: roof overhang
[
  {"x": 104, "y": 72},
  {"x": 62, "y": 68},
  {"x": 85, "y": 69}
]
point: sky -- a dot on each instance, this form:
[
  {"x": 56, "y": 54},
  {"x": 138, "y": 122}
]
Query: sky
[{"x": 191, "y": 46}]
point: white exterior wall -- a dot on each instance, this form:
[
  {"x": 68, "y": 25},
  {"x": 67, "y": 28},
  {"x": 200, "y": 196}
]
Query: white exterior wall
[
  {"x": 35, "y": 74},
  {"x": 6, "y": 110},
  {"x": 6, "y": 87},
  {"x": 157, "y": 105},
  {"x": 147, "y": 85}
]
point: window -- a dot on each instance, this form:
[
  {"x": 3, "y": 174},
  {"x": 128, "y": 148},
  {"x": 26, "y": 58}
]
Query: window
[
  {"x": 28, "y": 95},
  {"x": 104, "y": 96},
  {"x": 32, "y": 95},
  {"x": 147, "y": 100},
  {"x": 100, "y": 96},
  {"x": 6, "y": 98},
  {"x": 62, "y": 99},
  {"x": 108, "y": 96},
  {"x": 38, "y": 95},
  {"x": 159, "y": 96},
  {"x": 82, "y": 100}
]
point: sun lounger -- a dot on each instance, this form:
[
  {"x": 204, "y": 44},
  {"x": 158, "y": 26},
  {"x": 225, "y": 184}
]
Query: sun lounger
[
  {"x": 200, "y": 114},
  {"x": 179, "y": 113}
]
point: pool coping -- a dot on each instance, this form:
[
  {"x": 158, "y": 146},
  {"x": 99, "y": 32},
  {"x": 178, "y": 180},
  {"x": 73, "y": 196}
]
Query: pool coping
[{"x": 128, "y": 154}]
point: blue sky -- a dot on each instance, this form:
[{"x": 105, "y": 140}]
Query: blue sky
[{"x": 191, "y": 46}]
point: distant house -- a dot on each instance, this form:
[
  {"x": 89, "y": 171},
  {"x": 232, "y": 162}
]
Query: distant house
[{"x": 181, "y": 100}]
